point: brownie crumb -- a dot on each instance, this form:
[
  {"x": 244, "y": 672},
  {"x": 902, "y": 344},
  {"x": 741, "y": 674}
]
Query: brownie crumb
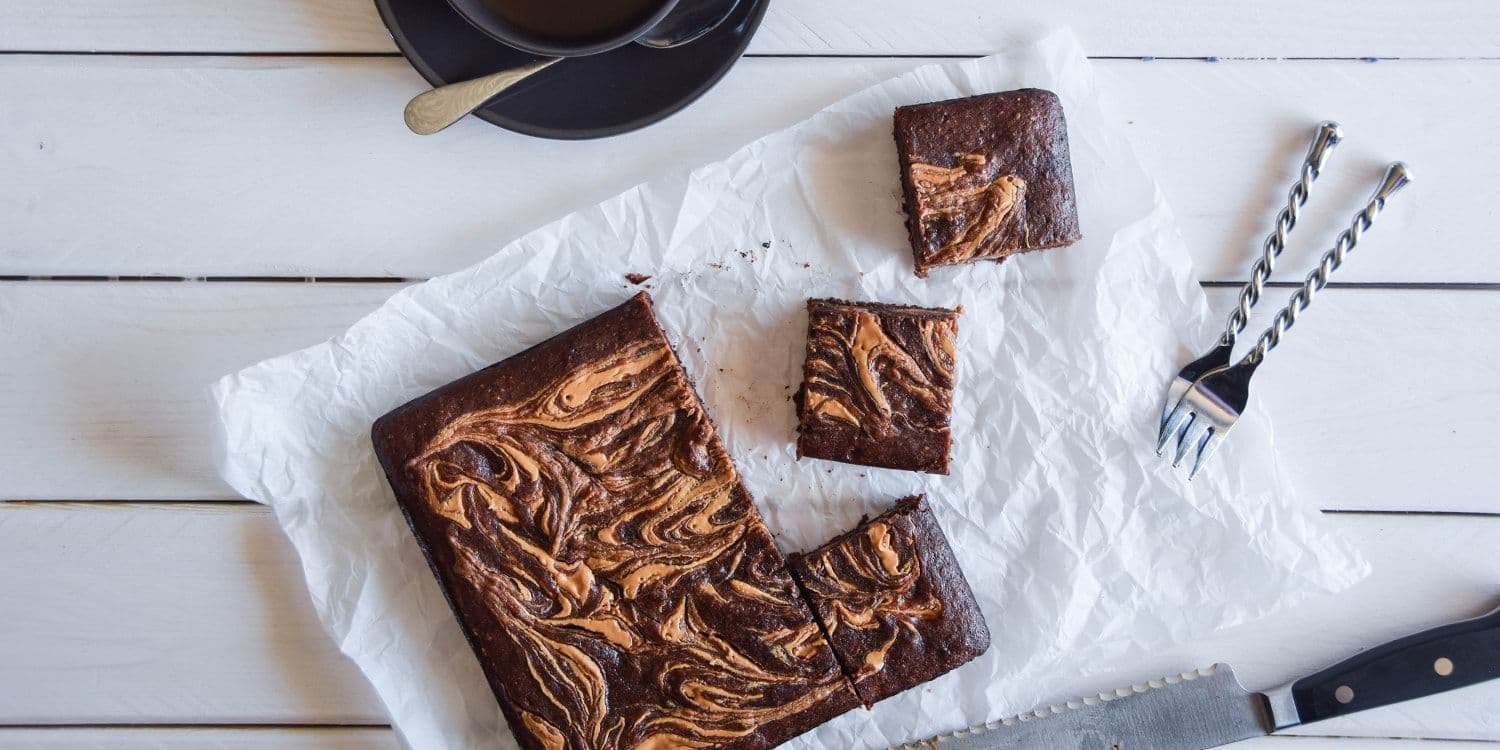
[{"x": 637, "y": 278}]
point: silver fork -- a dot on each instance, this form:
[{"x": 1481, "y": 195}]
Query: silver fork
[
  {"x": 1327, "y": 137},
  {"x": 1214, "y": 403}
]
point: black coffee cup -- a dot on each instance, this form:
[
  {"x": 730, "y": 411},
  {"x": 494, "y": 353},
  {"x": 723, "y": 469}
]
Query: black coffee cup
[{"x": 564, "y": 28}]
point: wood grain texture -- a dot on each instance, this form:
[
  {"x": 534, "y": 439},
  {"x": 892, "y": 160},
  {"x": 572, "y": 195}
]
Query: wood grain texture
[
  {"x": 1273, "y": 28},
  {"x": 338, "y": 738},
  {"x": 131, "y": 613},
  {"x": 303, "y": 166},
  {"x": 115, "y": 377},
  {"x": 126, "y": 382},
  {"x": 299, "y": 167},
  {"x": 209, "y": 623},
  {"x": 221, "y": 738}
]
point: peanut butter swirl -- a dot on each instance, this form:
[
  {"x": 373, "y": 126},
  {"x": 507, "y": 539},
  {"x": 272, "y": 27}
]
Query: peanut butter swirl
[
  {"x": 602, "y": 526},
  {"x": 869, "y": 588},
  {"x": 894, "y": 602},
  {"x": 971, "y": 210},
  {"x": 878, "y": 380}
]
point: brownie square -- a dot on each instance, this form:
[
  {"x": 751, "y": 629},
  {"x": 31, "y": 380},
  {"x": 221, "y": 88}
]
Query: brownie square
[
  {"x": 877, "y": 385},
  {"x": 893, "y": 601},
  {"x": 601, "y": 554},
  {"x": 985, "y": 177}
]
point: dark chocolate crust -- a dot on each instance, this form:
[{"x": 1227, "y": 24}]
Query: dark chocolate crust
[
  {"x": 893, "y": 601},
  {"x": 986, "y": 177},
  {"x": 602, "y": 556},
  {"x": 877, "y": 385}
]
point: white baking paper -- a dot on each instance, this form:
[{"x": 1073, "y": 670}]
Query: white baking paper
[{"x": 1082, "y": 546}]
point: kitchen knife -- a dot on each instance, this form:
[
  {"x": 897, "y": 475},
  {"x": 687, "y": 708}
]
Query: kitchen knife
[{"x": 1208, "y": 708}]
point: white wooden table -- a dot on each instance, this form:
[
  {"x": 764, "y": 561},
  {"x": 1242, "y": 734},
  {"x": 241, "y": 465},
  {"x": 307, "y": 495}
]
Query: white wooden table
[{"x": 188, "y": 186}]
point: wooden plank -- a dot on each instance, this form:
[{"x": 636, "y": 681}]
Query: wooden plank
[
  {"x": 156, "y": 614},
  {"x": 123, "y": 613},
  {"x": 338, "y": 738},
  {"x": 223, "y": 738},
  {"x": 188, "y": 166},
  {"x": 1273, "y": 28},
  {"x": 114, "y": 377},
  {"x": 201, "y": 174}
]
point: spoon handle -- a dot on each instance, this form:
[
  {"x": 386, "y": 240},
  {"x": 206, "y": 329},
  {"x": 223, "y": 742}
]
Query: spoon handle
[{"x": 435, "y": 109}]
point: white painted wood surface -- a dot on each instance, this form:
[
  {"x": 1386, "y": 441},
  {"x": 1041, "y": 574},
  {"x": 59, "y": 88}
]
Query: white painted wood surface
[
  {"x": 133, "y": 738},
  {"x": 198, "y": 166},
  {"x": 115, "y": 376},
  {"x": 1269, "y": 28},
  {"x": 242, "y": 738},
  {"x": 188, "y": 620},
  {"x": 205, "y": 624}
]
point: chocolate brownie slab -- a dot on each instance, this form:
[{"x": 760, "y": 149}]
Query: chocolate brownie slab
[
  {"x": 877, "y": 385},
  {"x": 601, "y": 554},
  {"x": 893, "y": 601},
  {"x": 985, "y": 177}
]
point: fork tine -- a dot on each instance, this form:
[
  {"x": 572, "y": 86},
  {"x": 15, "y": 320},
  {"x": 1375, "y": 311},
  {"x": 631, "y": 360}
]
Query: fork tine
[
  {"x": 1181, "y": 417},
  {"x": 1210, "y": 444},
  {"x": 1192, "y": 438},
  {"x": 1175, "y": 391}
]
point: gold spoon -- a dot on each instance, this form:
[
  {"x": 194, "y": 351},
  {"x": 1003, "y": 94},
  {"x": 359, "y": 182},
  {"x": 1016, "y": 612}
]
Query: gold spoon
[{"x": 435, "y": 109}]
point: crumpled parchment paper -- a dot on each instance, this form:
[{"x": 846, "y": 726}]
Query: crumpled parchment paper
[{"x": 1080, "y": 544}]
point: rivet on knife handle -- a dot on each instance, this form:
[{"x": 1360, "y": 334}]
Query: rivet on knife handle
[{"x": 1435, "y": 661}]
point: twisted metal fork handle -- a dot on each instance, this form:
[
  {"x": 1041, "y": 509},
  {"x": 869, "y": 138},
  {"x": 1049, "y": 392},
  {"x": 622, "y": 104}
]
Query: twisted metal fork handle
[
  {"x": 1327, "y": 137},
  {"x": 1397, "y": 176}
]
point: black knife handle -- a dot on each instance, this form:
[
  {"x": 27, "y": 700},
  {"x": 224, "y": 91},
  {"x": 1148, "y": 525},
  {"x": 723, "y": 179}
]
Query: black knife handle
[{"x": 1430, "y": 662}]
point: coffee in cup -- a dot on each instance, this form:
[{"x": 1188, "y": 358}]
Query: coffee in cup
[{"x": 564, "y": 27}]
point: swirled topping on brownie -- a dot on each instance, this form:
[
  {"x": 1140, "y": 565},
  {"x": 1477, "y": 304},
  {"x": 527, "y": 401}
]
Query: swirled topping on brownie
[
  {"x": 893, "y": 601},
  {"x": 604, "y": 560},
  {"x": 985, "y": 177},
  {"x": 877, "y": 385}
]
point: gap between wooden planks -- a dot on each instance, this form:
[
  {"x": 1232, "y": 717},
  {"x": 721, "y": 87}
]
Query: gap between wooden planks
[
  {"x": 115, "y": 377},
  {"x": 196, "y": 613},
  {"x": 1272, "y": 28},
  {"x": 301, "y": 167}
]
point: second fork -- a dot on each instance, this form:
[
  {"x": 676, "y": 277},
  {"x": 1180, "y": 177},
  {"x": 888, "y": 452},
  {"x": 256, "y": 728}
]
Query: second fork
[{"x": 1324, "y": 140}]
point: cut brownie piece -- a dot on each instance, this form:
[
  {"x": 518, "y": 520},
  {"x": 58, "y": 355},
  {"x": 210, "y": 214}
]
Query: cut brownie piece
[
  {"x": 877, "y": 385},
  {"x": 986, "y": 177},
  {"x": 893, "y": 601},
  {"x": 603, "y": 559}
]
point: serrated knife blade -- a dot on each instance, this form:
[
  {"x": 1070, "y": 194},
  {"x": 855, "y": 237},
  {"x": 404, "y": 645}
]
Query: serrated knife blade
[
  {"x": 1208, "y": 708},
  {"x": 1192, "y": 711}
]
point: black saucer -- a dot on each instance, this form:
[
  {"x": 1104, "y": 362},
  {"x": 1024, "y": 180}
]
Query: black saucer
[{"x": 584, "y": 97}]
